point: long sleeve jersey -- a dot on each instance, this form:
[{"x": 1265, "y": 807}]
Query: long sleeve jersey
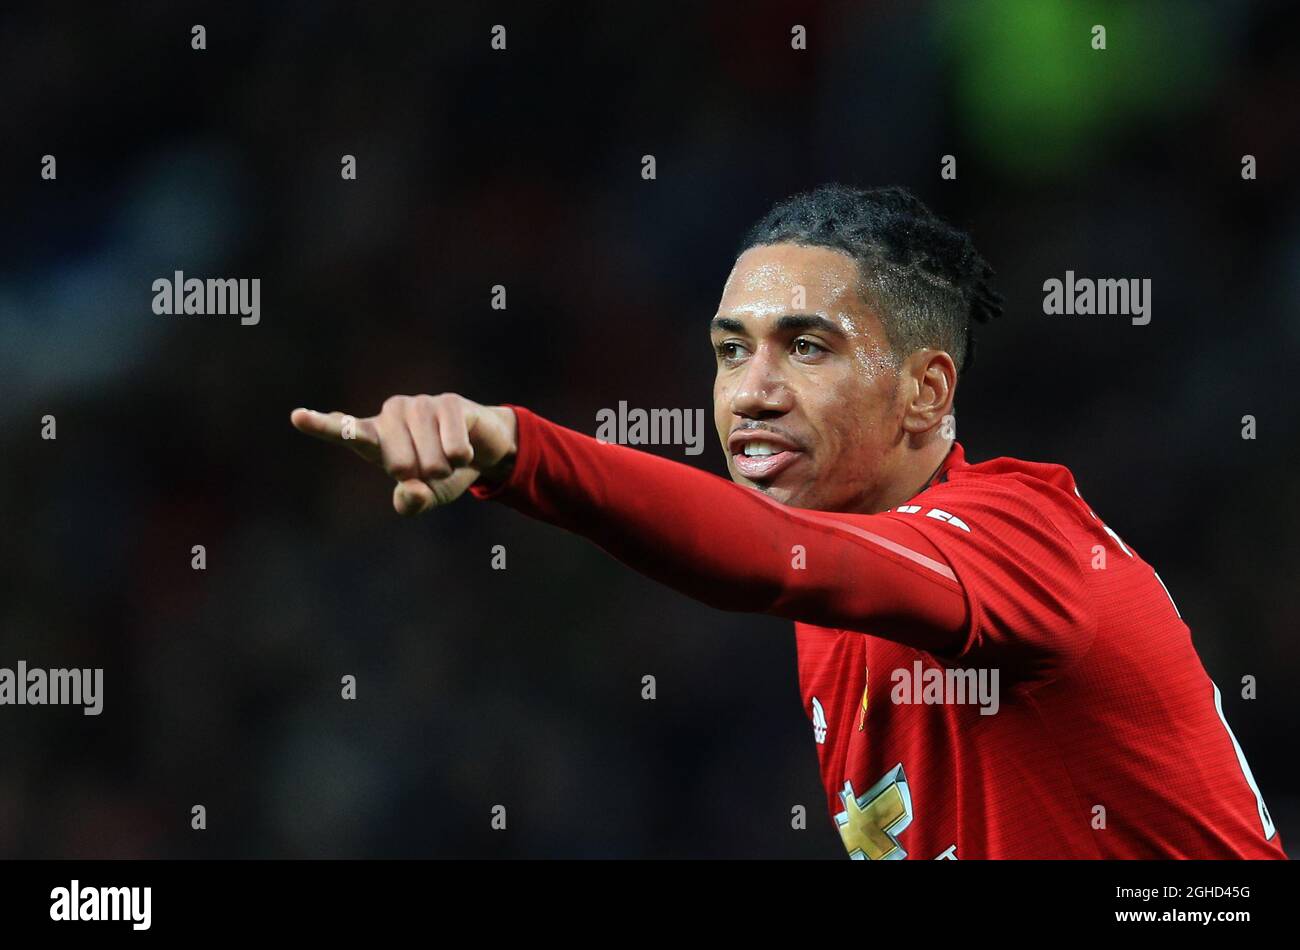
[{"x": 988, "y": 669}]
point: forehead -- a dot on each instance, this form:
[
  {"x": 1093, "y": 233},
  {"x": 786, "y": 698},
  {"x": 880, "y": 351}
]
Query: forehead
[{"x": 766, "y": 280}]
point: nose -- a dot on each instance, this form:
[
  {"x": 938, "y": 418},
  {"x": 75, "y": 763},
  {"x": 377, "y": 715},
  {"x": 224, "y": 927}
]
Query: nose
[{"x": 763, "y": 389}]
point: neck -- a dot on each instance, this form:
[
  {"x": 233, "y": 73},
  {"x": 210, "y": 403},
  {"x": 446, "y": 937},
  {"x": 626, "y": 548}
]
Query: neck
[{"x": 914, "y": 473}]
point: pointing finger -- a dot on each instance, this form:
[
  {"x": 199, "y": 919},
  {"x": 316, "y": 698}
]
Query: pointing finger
[{"x": 360, "y": 435}]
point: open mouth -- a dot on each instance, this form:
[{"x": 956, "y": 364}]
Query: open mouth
[{"x": 759, "y": 460}]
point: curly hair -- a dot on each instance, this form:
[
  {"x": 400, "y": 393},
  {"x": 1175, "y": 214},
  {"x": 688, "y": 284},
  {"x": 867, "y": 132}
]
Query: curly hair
[{"x": 924, "y": 277}]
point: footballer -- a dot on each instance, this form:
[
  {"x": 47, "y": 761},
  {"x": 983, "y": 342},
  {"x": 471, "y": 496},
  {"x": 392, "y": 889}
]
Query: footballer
[{"x": 840, "y": 338}]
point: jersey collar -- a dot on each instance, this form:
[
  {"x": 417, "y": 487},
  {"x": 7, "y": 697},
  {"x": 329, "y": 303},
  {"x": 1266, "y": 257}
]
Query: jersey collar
[{"x": 954, "y": 460}]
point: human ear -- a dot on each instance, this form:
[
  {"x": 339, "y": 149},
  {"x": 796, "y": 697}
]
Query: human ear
[{"x": 932, "y": 378}]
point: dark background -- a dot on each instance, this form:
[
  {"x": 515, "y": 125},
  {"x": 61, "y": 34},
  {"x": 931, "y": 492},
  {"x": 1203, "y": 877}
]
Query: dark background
[{"x": 478, "y": 687}]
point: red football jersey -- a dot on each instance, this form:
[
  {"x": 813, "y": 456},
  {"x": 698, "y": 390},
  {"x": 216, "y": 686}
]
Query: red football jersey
[
  {"x": 990, "y": 671},
  {"x": 1107, "y": 739}
]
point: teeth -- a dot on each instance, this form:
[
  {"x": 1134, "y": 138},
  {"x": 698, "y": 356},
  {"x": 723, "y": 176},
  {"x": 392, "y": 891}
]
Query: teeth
[{"x": 761, "y": 448}]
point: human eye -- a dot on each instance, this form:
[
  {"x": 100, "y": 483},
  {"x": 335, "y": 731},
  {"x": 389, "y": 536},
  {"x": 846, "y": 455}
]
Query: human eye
[
  {"x": 808, "y": 348},
  {"x": 730, "y": 351}
]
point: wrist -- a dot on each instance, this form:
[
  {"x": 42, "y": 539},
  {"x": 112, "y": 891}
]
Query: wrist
[{"x": 499, "y": 471}]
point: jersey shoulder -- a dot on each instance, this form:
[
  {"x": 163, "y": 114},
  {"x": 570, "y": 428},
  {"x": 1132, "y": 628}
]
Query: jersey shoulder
[
  {"x": 1015, "y": 534},
  {"x": 1038, "y": 491}
]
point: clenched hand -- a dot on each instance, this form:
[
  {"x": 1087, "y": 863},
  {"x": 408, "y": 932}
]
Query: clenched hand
[{"x": 435, "y": 446}]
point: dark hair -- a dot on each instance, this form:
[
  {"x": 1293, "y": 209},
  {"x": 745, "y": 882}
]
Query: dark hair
[{"x": 924, "y": 276}]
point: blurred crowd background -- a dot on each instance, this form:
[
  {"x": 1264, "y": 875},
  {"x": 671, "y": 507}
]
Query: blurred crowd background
[{"x": 523, "y": 168}]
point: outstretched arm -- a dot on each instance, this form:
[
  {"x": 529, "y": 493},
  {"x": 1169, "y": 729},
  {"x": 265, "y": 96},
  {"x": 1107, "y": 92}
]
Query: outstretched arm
[{"x": 721, "y": 543}]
